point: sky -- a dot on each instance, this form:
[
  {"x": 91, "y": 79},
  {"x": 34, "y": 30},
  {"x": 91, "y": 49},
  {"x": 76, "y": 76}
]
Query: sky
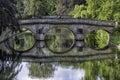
[{"x": 61, "y": 73}]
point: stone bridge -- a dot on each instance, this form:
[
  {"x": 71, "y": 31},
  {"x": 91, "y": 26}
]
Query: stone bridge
[{"x": 80, "y": 28}]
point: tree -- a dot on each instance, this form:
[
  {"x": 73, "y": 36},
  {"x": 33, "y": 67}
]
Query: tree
[
  {"x": 102, "y": 10},
  {"x": 65, "y": 6},
  {"x": 36, "y": 8},
  {"x": 7, "y": 15}
]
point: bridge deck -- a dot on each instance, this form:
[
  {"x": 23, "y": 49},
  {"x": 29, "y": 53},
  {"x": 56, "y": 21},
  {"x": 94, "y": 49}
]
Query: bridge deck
[{"x": 57, "y": 20}]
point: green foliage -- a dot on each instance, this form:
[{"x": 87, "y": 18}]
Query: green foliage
[
  {"x": 33, "y": 8},
  {"x": 98, "y": 9},
  {"x": 7, "y": 15}
]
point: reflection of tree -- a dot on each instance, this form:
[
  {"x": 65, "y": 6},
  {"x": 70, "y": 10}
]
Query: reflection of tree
[
  {"x": 115, "y": 40},
  {"x": 106, "y": 69},
  {"x": 24, "y": 41},
  {"x": 97, "y": 39},
  {"x": 57, "y": 41},
  {"x": 9, "y": 66},
  {"x": 43, "y": 70},
  {"x": 9, "y": 70}
]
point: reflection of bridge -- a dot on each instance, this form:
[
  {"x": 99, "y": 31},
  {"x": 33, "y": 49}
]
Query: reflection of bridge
[
  {"x": 81, "y": 58},
  {"x": 77, "y": 58},
  {"x": 80, "y": 27}
]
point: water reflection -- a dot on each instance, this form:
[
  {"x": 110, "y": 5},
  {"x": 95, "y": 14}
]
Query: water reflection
[
  {"x": 115, "y": 40},
  {"x": 24, "y": 41},
  {"x": 80, "y": 63},
  {"x": 59, "y": 73},
  {"x": 92, "y": 70},
  {"x": 59, "y": 39},
  {"x": 9, "y": 66},
  {"x": 97, "y": 39}
]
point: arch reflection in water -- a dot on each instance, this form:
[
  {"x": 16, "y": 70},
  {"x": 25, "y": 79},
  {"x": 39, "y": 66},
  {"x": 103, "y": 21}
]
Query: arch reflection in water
[
  {"x": 24, "y": 41},
  {"x": 59, "y": 39},
  {"x": 115, "y": 40},
  {"x": 97, "y": 39}
]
